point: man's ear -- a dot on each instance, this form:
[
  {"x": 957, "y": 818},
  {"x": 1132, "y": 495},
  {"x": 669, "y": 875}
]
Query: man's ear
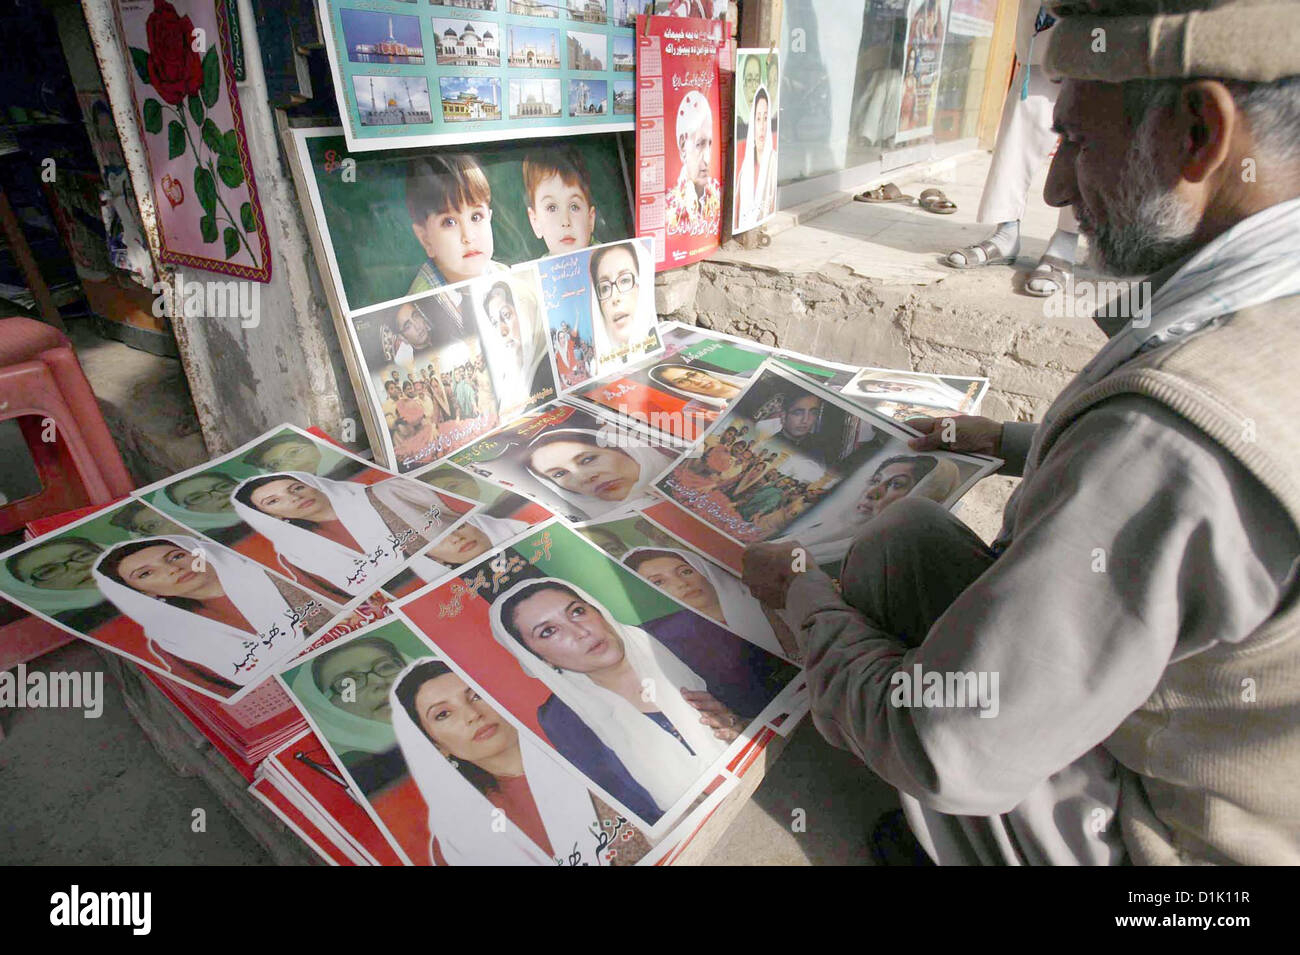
[
  {"x": 532, "y": 221},
  {"x": 1206, "y": 123}
]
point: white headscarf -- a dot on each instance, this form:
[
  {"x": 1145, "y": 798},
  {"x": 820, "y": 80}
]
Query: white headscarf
[
  {"x": 741, "y": 611},
  {"x": 719, "y": 403},
  {"x": 922, "y": 390},
  {"x": 461, "y": 818},
  {"x": 514, "y": 378},
  {"x": 210, "y": 643},
  {"x": 48, "y": 599},
  {"x": 498, "y": 530},
  {"x": 755, "y": 171},
  {"x": 650, "y": 460},
  {"x": 653, "y": 756},
  {"x": 643, "y": 322},
  {"x": 319, "y": 555}
]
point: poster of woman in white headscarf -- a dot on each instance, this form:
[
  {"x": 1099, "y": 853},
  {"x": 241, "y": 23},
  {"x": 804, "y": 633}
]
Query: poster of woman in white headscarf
[
  {"x": 951, "y": 393},
  {"x": 167, "y": 598},
  {"x": 674, "y": 567},
  {"x": 600, "y": 308},
  {"x": 449, "y": 777},
  {"x": 340, "y": 536},
  {"x": 754, "y": 141},
  {"x": 512, "y": 326},
  {"x": 922, "y": 61},
  {"x": 639, "y": 692},
  {"x": 577, "y": 464},
  {"x": 789, "y": 454}
]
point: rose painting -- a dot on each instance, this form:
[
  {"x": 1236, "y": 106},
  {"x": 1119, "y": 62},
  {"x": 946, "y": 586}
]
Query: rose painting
[{"x": 208, "y": 212}]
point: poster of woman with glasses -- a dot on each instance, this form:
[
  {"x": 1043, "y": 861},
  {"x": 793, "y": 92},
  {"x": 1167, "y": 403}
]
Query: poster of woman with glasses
[{"x": 600, "y": 308}]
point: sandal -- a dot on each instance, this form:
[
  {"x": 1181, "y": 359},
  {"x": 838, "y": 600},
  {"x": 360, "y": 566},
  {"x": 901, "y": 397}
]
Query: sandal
[
  {"x": 1058, "y": 272},
  {"x": 933, "y": 200},
  {"x": 886, "y": 193},
  {"x": 992, "y": 255}
]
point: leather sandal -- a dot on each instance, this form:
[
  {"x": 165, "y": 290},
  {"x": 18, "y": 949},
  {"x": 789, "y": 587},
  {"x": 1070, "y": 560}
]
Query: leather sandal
[
  {"x": 886, "y": 193},
  {"x": 1059, "y": 272},
  {"x": 933, "y": 200},
  {"x": 992, "y": 255}
]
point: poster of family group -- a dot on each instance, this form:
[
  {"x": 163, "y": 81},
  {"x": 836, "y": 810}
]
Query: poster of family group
[
  {"x": 793, "y": 460},
  {"x": 754, "y": 140},
  {"x": 679, "y": 138},
  {"x": 922, "y": 61},
  {"x": 410, "y": 73}
]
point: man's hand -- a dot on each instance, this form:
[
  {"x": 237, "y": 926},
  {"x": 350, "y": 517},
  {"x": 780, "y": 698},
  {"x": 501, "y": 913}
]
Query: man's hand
[
  {"x": 768, "y": 569},
  {"x": 725, "y": 724},
  {"x": 959, "y": 432}
]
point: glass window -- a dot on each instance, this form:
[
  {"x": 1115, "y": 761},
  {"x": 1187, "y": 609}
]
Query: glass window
[{"x": 866, "y": 79}]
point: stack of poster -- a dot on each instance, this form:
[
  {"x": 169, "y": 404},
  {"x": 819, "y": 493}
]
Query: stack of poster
[{"x": 534, "y": 649}]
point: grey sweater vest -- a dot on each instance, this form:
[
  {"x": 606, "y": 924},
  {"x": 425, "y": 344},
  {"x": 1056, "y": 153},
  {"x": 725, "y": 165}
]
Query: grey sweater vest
[{"x": 1213, "y": 757}]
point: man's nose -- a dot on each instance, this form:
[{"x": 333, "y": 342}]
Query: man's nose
[{"x": 1061, "y": 188}]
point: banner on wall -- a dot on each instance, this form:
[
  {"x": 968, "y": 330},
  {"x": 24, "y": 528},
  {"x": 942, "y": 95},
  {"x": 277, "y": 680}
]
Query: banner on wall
[
  {"x": 679, "y": 138},
  {"x": 922, "y": 59},
  {"x": 209, "y": 216},
  {"x": 480, "y": 70}
]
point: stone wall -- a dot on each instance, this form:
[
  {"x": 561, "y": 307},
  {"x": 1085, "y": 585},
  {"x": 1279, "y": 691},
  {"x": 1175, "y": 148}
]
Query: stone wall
[{"x": 969, "y": 325}]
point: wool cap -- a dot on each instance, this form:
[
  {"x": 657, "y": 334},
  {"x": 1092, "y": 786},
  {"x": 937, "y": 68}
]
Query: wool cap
[{"x": 1114, "y": 41}]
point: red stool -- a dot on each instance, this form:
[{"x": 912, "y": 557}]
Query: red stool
[{"x": 42, "y": 384}]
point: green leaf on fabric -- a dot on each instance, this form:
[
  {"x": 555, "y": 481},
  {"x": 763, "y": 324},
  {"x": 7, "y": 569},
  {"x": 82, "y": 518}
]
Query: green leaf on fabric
[
  {"x": 211, "y": 88},
  {"x": 212, "y": 136},
  {"x": 232, "y": 241},
  {"x": 230, "y": 171},
  {"x": 196, "y": 109},
  {"x": 152, "y": 116},
  {"x": 208, "y": 228},
  {"x": 140, "y": 60},
  {"x": 205, "y": 187},
  {"x": 175, "y": 139},
  {"x": 230, "y": 144},
  {"x": 247, "y": 218}
]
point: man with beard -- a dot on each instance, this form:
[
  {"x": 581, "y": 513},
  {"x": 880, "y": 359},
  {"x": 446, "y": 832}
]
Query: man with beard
[{"x": 1138, "y": 606}]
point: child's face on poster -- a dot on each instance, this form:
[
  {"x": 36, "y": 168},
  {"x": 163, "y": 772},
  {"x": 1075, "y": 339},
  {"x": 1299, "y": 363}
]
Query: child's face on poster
[
  {"x": 459, "y": 241},
  {"x": 561, "y": 215}
]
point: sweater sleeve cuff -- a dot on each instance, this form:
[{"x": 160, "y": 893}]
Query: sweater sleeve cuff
[{"x": 1016, "y": 438}]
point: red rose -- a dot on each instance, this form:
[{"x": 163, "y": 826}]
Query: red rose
[{"x": 175, "y": 70}]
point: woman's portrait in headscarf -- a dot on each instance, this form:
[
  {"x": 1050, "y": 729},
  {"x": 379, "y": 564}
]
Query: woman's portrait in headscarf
[
  {"x": 513, "y": 330},
  {"x": 577, "y": 465},
  {"x": 951, "y": 394},
  {"x": 208, "y": 606},
  {"x": 346, "y": 691},
  {"x": 344, "y": 536},
  {"x": 706, "y": 686},
  {"x": 755, "y": 148},
  {"x": 623, "y": 306},
  {"x": 473, "y": 765}
]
